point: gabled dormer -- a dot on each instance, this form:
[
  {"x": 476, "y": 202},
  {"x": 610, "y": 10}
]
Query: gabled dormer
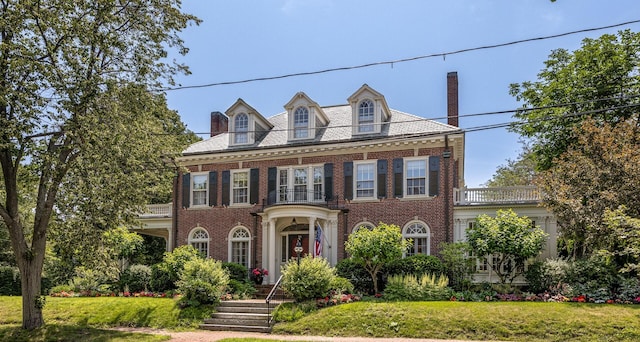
[
  {"x": 369, "y": 110},
  {"x": 304, "y": 116},
  {"x": 246, "y": 125}
]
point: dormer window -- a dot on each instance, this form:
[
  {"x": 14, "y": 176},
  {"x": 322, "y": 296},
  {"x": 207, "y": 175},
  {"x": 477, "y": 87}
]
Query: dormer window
[
  {"x": 365, "y": 116},
  {"x": 241, "y": 125},
  {"x": 301, "y": 123}
]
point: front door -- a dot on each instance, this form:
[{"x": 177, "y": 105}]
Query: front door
[{"x": 289, "y": 241}]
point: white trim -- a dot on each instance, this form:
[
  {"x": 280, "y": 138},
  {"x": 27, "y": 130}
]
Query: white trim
[
  {"x": 359, "y": 225},
  {"x": 425, "y": 159},
  {"x": 232, "y": 201},
  {"x": 290, "y": 186},
  {"x": 374, "y": 164},
  {"x": 427, "y": 235}
]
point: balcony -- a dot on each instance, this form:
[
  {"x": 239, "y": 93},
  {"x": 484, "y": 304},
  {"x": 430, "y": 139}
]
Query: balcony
[
  {"x": 497, "y": 195},
  {"x": 299, "y": 196},
  {"x": 157, "y": 210}
]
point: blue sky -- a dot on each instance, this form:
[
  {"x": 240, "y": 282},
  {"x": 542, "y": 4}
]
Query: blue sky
[{"x": 242, "y": 39}]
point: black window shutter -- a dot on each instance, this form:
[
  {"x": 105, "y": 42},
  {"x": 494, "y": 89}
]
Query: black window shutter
[
  {"x": 348, "y": 180},
  {"x": 186, "y": 190},
  {"x": 434, "y": 175},
  {"x": 213, "y": 188},
  {"x": 272, "y": 183},
  {"x": 226, "y": 186},
  {"x": 382, "y": 178},
  {"x": 398, "y": 167},
  {"x": 254, "y": 186},
  {"x": 328, "y": 181}
]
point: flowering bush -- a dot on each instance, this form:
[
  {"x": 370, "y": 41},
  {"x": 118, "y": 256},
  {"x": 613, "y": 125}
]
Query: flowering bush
[{"x": 259, "y": 272}]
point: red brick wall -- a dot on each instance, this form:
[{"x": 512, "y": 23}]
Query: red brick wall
[{"x": 219, "y": 221}]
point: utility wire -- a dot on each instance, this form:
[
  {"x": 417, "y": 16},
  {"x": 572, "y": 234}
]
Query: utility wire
[{"x": 367, "y": 65}]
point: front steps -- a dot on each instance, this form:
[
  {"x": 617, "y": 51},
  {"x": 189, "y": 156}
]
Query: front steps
[{"x": 240, "y": 315}]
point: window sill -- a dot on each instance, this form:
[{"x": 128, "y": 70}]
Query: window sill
[
  {"x": 198, "y": 207},
  {"x": 365, "y": 200},
  {"x": 240, "y": 205},
  {"x": 416, "y": 198}
]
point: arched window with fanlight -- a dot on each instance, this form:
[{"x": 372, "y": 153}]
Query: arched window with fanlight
[
  {"x": 363, "y": 225},
  {"x": 240, "y": 246},
  {"x": 199, "y": 239},
  {"x": 419, "y": 233}
]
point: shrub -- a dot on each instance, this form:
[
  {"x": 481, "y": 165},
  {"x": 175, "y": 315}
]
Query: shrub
[
  {"x": 309, "y": 280},
  {"x": 594, "y": 277},
  {"x": 136, "y": 278},
  {"x": 86, "y": 280},
  {"x": 547, "y": 276},
  {"x": 417, "y": 265},
  {"x": 60, "y": 289},
  {"x": 10, "y": 281},
  {"x": 434, "y": 287},
  {"x": 160, "y": 279},
  {"x": 203, "y": 281},
  {"x": 411, "y": 287},
  {"x": 236, "y": 271},
  {"x": 340, "y": 285},
  {"x": 356, "y": 274},
  {"x": 629, "y": 290},
  {"x": 289, "y": 312},
  {"x": 240, "y": 289},
  {"x": 458, "y": 265},
  {"x": 173, "y": 262}
]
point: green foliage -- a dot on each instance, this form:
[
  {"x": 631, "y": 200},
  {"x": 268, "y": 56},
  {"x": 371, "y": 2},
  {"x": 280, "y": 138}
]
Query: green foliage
[
  {"x": 173, "y": 263},
  {"x": 547, "y": 276},
  {"x": 9, "y": 281},
  {"x": 136, "y": 278},
  {"x": 625, "y": 235},
  {"x": 356, "y": 274},
  {"x": 415, "y": 264},
  {"x": 595, "y": 277},
  {"x": 87, "y": 280},
  {"x": 151, "y": 251},
  {"x": 510, "y": 239},
  {"x": 160, "y": 279},
  {"x": 340, "y": 285},
  {"x": 375, "y": 248},
  {"x": 236, "y": 271},
  {"x": 241, "y": 289},
  {"x": 412, "y": 287},
  {"x": 291, "y": 312},
  {"x": 599, "y": 78},
  {"x": 309, "y": 280},
  {"x": 517, "y": 172},
  {"x": 203, "y": 281},
  {"x": 458, "y": 265}
]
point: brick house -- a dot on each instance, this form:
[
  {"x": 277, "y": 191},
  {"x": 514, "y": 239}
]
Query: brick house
[{"x": 259, "y": 184}]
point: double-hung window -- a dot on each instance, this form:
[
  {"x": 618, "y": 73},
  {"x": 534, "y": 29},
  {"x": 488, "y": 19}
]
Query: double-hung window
[
  {"x": 199, "y": 189},
  {"x": 365, "y": 180},
  {"x": 365, "y": 116},
  {"x": 240, "y": 187},
  {"x": 241, "y": 129},
  {"x": 300, "y": 184},
  {"x": 301, "y": 123},
  {"x": 416, "y": 177}
]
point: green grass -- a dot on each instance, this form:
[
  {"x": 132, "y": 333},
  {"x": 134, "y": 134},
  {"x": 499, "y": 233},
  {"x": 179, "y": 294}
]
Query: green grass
[
  {"x": 507, "y": 321},
  {"x": 85, "y": 319}
]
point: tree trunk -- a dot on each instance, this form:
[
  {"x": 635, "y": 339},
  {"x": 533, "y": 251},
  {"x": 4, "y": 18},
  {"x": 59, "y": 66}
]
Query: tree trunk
[{"x": 32, "y": 303}]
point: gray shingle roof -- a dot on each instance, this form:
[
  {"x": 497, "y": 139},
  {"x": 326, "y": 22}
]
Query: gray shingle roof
[{"x": 338, "y": 130}]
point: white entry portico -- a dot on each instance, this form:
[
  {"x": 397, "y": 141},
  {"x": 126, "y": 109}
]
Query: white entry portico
[{"x": 281, "y": 226}]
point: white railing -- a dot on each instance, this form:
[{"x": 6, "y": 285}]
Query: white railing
[
  {"x": 512, "y": 194},
  {"x": 157, "y": 210}
]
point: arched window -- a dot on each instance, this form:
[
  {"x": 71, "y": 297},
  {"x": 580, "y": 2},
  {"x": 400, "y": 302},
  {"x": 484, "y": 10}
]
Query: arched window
[
  {"x": 199, "y": 239},
  {"x": 419, "y": 234},
  {"x": 363, "y": 225},
  {"x": 301, "y": 123},
  {"x": 241, "y": 128},
  {"x": 239, "y": 246},
  {"x": 365, "y": 116}
]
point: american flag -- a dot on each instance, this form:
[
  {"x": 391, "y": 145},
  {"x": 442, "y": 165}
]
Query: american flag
[{"x": 318, "y": 248}]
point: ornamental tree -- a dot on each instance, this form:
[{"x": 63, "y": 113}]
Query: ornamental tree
[
  {"x": 375, "y": 248},
  {"x": 75, "y": 107},
  {"x": 508, "y": 240}
]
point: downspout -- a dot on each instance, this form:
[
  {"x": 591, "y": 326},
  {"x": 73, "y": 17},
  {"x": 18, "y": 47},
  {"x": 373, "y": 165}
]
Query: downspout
[
  {"x": 176, "y": 207},
  {"x": 254, "y": 247},
  {"x": 446, "y": 155},
  {"x": 345, "y": 216}
]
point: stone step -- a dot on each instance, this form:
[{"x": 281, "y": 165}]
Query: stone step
[
  {"x": 243, "y": 303},
  {"x": 244, "y": 328},
  {"x": 238, "y": 320},
  {"x": 243, "y": 309}
]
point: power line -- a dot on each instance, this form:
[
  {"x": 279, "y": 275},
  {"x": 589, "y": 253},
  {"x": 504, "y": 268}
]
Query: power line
[{"x": 403, "y": 60}]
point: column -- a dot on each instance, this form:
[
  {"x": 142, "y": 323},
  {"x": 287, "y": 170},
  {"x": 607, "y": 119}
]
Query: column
[{"x": 272, "y": 251}]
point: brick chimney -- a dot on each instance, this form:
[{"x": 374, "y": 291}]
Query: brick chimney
[
  {"x": 219, "y": 123},
  {"x": 452, "y": 98}
]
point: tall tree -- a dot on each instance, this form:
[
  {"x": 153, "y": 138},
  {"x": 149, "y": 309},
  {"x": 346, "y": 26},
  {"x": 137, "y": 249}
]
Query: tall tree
[
  {"x": 599, "y": 80},
  {"x": 508, "y": 240},
  {"x": 517, "y": 172},
  {"x": 75, "y": 105},
  {"x": 599, "y": 172}
]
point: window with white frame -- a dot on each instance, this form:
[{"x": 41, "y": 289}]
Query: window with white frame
[
  {"x": 301, "y": 183},
  {"x": 241, "y": 129},
  {"x": 240, "y": 187},
  {"x": 363, "y": 225},
  {"x": 301, "y": 123},
  {"x": 365, "y": 180},
  {"x": 365, "y": 116},
  {"x": 199, "y": 239},
  {"x": 239, "y": 246},
  {"x": 199, "y": 189},
  {"x": 419, "y": 234},
  {"x": 415, "y": 177}
]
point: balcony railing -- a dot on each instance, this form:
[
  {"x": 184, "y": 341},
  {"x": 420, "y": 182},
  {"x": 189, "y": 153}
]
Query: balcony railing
[
  {"x": 497, "y": 195},
  {"x": 157, "y": 210}
]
